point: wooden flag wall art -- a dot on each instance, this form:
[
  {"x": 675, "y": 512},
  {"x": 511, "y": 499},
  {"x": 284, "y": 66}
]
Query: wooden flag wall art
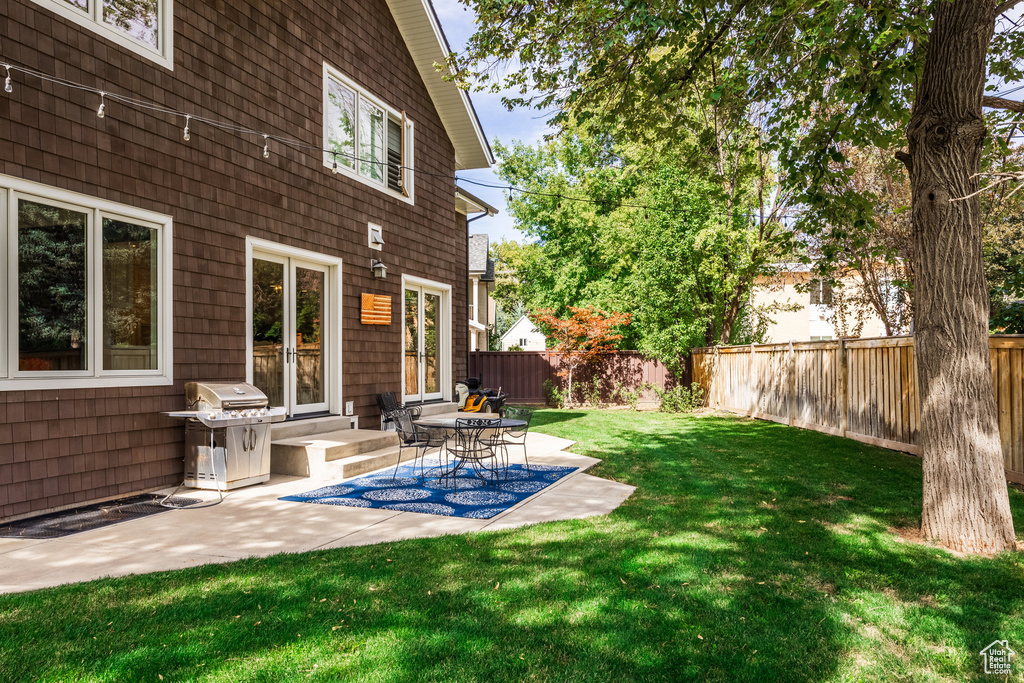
[{"x": 376, "y": 309}]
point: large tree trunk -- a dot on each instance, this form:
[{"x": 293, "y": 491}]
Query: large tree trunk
[{"x": 966, "y": 506}]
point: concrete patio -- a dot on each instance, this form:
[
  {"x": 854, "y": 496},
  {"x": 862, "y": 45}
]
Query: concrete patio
[{"x": 252, "y": 522}]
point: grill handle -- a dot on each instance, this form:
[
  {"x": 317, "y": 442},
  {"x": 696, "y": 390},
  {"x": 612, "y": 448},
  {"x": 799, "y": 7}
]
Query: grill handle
[
  {"x": 252, "y": 438},
  {"x": 245, "y": 438}
]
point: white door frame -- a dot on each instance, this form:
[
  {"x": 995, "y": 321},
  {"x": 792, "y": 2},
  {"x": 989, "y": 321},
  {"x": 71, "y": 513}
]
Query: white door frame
[
  {"x": 444, "y": 375},
  {"x": 332, "y": 311}
]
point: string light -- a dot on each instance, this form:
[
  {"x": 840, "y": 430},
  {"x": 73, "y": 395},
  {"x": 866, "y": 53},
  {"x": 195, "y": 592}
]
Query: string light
[{"x": 298, "y": 144}]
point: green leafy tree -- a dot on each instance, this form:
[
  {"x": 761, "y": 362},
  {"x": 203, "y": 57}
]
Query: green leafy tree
[
  {"x": 618, "y": 227},
  {"x": 826, "y": 72}
]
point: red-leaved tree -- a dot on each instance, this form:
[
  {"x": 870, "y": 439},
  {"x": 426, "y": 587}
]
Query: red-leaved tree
[{"x": 582, "y": 338}]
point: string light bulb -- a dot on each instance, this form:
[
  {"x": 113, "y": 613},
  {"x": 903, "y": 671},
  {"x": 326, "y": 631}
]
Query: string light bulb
[
  {"x": 186, "y": 134},
  {"x": 334, "y": 166},
  {"x": 102, "y": 111},
  {"x": 8, "y": 88},
  {"x": 266, "y": 146}
]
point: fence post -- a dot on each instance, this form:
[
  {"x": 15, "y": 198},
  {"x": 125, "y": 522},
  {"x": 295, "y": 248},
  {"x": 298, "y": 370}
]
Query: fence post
[
  {"x": 844, "y": 387},
  {"x": 791, "y": 383},
  {"x": 717, "y": 378},
  {"x": 753, "y": 381}
]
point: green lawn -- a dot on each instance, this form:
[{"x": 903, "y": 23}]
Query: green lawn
[{"x": 749, "y": 552}]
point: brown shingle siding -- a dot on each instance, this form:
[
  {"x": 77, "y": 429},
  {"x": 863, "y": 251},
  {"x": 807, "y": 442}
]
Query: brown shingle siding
[{"x": 258, "y": 65}]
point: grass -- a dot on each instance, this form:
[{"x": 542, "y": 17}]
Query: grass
[{"x": 749, "y": 552}]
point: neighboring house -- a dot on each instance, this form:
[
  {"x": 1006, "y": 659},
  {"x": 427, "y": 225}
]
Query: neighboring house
[
  {"x": 145, "y": 249},
  {"x": 525, "y": 335},
  {"x": 811, "y": 319},
  {"x": 481, "y": 272}
]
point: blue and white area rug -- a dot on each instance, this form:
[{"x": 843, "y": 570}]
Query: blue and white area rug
[{"x": 474, "y": 499}]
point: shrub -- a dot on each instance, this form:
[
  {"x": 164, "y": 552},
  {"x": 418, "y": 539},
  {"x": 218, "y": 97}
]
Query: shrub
[
  {"x": 631, "y": 397},
  {"x": 680, "y": 399},
  {"x": 555, "y": 397},
  {"x": 593, "y": 393}
]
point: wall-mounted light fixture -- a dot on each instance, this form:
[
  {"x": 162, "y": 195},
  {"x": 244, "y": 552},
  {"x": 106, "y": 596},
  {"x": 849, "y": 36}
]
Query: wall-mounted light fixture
[{"x": 380, "y": 271}]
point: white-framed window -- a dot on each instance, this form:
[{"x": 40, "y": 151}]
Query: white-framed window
[
  {"x": 87, "y": 297},
  {"x": 821, "y": 292},
  {"x": 144, "y": 26},
  {"x": 365, "y": 139}
]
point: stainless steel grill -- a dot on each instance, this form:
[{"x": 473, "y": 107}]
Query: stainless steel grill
[{"x": 227, "y": 435}]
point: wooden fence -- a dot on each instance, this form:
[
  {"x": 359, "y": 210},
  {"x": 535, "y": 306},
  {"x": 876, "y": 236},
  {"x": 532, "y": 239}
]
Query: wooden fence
[
  {"x": 863, "y": 389},
  {"x": 521, "y": 374}
]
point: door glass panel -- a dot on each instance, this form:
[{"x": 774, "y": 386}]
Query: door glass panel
[
  {"x": 268, "y": 329},
  {"x": 129, "y": 296},
  {"x": 52, "y": 308},
  {"x": 431, "y": 330},
  {"x": 412, "y": 338},
  {"x": 309, "y": 315}
]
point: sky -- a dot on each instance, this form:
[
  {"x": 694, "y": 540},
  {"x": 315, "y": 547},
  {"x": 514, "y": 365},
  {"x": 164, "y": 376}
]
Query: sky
[{"x": 525, "y": 125}]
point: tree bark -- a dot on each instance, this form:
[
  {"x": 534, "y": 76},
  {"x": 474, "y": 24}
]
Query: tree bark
[{"x": 966, "y": 507}]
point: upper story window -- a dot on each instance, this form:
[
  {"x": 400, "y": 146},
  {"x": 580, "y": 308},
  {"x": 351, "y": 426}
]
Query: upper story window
[
  {"x": 143, "y": 26},
  {"x": 88, "y": 298},
  {"x": 364, "y": 138},
  {"x": 821, "y": 292}
]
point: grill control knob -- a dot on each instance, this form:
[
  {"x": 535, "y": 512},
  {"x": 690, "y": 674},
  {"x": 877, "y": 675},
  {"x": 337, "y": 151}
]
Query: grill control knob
[{"x": 234, "y": 413}]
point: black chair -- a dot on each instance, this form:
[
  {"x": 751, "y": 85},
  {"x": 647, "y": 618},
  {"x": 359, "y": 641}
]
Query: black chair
[
  {"x": 471, "y": 446},
  {"x": 416, "y": 437},
  {"x": 388, "y": 403},
  {"x": 512, "y": 436}
]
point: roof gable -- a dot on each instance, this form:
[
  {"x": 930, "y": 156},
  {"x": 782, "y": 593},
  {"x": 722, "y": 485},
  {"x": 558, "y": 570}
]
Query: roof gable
[
  {"x": 518, "y": 328},
  {"x": 421, "y": 30}
]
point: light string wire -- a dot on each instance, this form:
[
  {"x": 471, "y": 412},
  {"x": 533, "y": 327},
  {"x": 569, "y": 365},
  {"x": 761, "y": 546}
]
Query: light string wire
[{"x": 189, "y": 119}]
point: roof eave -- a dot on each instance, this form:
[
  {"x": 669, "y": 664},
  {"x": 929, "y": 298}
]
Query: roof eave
[{"x": 420, "y": 28}]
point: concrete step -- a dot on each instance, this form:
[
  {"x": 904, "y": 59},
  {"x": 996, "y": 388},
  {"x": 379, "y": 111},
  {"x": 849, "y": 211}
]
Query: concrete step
[
  {"x": 437, "y": 408},
  {"x": 291, "y": 429},
  {"x": 308, "y": 455},
  {"x": 368, "y": 462}
]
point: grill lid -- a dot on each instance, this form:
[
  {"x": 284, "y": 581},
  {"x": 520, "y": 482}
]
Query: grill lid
[{"x": 223, "y": 396}]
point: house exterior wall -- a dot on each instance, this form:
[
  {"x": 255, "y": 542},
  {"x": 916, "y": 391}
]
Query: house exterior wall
[
  {"x": 482, "y": 313},
  {"x": 524, "y": 329},
  {"x": 808, "y": 320},
  {"x": 258, "y": 65}
]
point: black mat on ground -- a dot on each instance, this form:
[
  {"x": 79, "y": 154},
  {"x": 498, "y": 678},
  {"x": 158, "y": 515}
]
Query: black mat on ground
[{"x": 67, "y": 522}]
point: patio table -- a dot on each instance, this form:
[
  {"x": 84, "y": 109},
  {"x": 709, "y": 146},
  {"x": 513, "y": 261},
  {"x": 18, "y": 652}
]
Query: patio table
[
  {"x": 450, "y": 427},
  {"x": 449, "y": 422}
]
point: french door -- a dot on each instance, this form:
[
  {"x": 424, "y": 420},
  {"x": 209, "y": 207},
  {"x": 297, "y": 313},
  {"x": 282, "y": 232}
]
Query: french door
[
  {"x": 424, "y": 334},
  {"x": 290, "y": 308}
]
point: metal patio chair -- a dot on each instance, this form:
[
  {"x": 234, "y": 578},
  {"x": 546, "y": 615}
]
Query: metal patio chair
[
  {"x": 420, "y": 439},
  {"x": 512, "y": 436},
  {"x": 470, "y": 446},
  {"x": 388, "y": 403}
]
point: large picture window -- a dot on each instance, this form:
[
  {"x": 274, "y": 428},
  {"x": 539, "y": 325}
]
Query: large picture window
[
  {"x": 88, "y": 292},
  {"x": 143, "y": 26},
  {"x": 365, "y": 139}
]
